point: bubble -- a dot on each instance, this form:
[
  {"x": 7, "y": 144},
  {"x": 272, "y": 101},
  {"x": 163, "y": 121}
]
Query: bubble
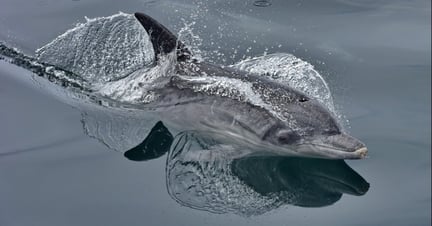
[{"x": 262, "y": 3}]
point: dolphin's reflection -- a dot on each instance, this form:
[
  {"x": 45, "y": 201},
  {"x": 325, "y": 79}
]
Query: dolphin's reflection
[
  {"x": 202, "y": 175},
  {"x": 156, "y": 144},
  {"x": 314, "y": 182}
]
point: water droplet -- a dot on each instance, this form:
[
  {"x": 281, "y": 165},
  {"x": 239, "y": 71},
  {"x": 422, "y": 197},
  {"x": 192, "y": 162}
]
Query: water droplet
[{"x": 262, "y": 3}]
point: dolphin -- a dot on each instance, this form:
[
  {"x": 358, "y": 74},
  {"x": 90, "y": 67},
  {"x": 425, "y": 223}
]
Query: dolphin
[
  {"x": 249, "y": 109},
  {"x": 282, "y": 120}
]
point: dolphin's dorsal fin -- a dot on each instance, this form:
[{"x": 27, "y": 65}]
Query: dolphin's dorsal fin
[{"x": 163, "y": 40}]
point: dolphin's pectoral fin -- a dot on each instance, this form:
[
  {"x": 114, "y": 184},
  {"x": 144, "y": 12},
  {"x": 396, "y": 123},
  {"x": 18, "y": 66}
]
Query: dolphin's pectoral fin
[
  {"x": 156, "y": 144},
  {"x": 163, "y": 40}
]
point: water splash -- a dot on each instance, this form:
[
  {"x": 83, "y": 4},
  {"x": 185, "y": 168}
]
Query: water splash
[
  {"x": 192, "y": 41},
  {"x": 137, "y": 87},
  {"x": 102, "y": 49},
  {"x": 292, "y": 71}
]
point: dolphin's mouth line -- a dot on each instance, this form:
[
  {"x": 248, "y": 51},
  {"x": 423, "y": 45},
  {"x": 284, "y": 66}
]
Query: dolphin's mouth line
[
  {"x": 332, "y": 147},
  {"x": 357, "y": 153},
  {"x": 327, "y": 146}
]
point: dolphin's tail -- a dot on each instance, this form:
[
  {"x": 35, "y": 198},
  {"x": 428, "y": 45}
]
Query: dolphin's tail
[{"x": 163, "y": 40}]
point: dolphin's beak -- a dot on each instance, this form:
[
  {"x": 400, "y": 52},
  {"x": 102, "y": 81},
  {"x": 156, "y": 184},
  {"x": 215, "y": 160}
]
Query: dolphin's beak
[{"x": 339, "y": 146}]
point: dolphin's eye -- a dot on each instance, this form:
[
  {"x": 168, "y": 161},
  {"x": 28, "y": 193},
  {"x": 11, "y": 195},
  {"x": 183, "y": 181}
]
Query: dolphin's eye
[
  {"x": 287, "y": 137},
  {"x": 330, "y": 132},
  {"x": 303, "y": 99}
]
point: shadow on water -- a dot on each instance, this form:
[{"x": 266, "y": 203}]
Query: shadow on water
[{"x": 202, "y": 175}]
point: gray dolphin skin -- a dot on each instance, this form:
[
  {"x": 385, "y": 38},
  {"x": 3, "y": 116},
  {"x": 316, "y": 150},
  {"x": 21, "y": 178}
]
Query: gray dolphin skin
[{"x": 302, "y": 127}]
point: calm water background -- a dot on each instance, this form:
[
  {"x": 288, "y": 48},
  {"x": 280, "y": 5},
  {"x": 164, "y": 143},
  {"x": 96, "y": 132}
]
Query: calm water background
[{"x": 375, "y": 55}]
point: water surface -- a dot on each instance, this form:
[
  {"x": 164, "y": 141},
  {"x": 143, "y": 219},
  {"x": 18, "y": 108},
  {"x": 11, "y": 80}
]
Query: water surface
[{"x": 375, "y": 57}]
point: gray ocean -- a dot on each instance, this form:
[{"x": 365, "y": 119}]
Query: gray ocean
[{"x": 62, "y": 156}]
